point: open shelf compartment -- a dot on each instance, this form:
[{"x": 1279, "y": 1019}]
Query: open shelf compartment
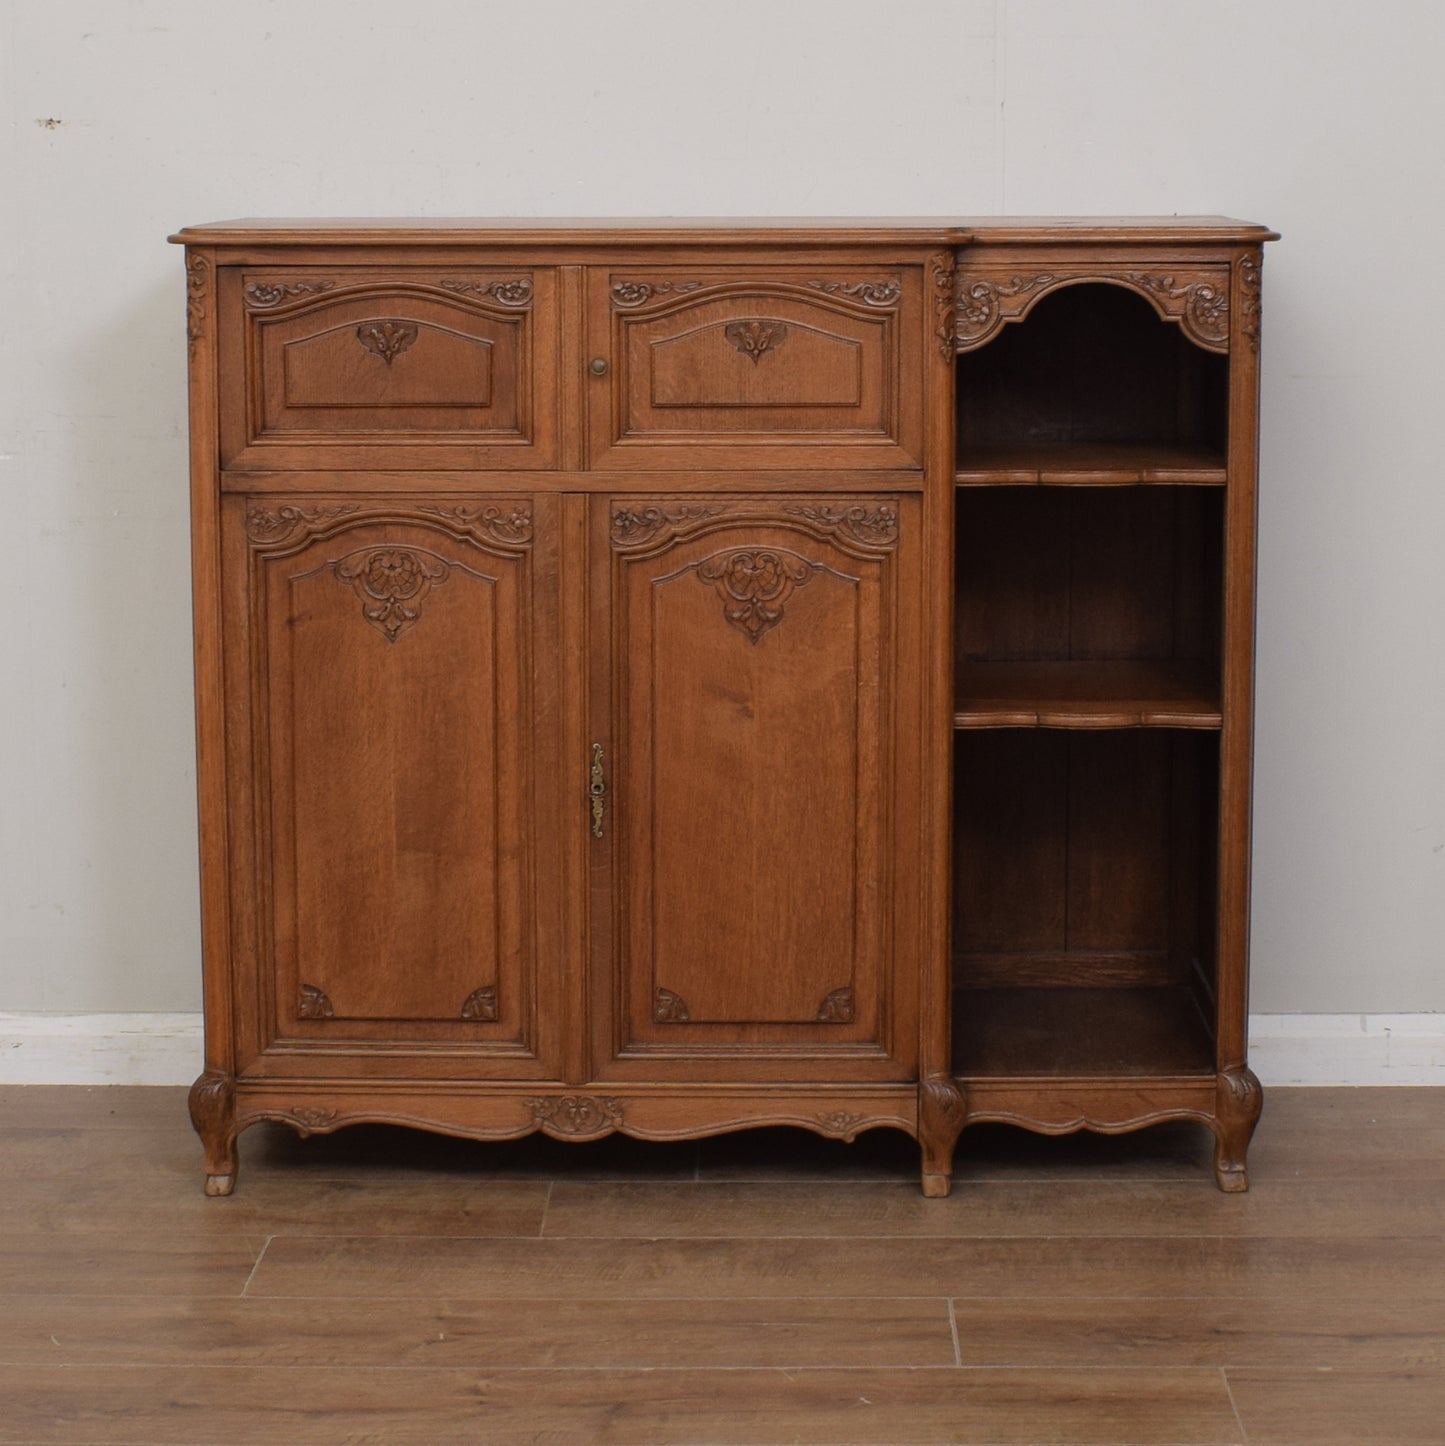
[
  {"x": 1085, "y": 883},
  {"x": 1088, "y": 607},
  {"x": 1092, "y": 387}
]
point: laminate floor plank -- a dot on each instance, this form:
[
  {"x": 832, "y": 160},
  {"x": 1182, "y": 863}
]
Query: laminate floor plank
[
  {"x": 160, "y": 1204},
  {"x": 95, "y": 1263},
  {"x": 1062, "y": 1267},
  {"x": 77, "y": 1155},
  {"x": 1303, "y": 1332},
  {"x": 1345, "y": 1134},
  {"x": 606, "y": 1332},
  {"x": 63, "y": 1406},
  {"x": 1341, "y": 1408},
  {"x": 1346, "y": 1209},
  {"x": 113, "y": 1107}
]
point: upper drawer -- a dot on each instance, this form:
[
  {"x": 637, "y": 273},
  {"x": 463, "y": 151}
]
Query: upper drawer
[
  {"x": 364, "y": 368},
  {"x": 765, "y": 365}
]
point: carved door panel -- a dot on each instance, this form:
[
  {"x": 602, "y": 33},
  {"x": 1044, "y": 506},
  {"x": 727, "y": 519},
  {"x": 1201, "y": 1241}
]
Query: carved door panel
[
  {"x": 759, "y": 720},
  {"x": 401, "y": 686},
  {"x": 776, "y": 366},
  {"x": 359, "y": 367}
]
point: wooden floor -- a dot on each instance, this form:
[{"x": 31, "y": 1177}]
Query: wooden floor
[{"x": 392, "y": 1289}]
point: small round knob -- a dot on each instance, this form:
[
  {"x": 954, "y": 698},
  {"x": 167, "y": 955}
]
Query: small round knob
[{"x": 599, "y": 366}]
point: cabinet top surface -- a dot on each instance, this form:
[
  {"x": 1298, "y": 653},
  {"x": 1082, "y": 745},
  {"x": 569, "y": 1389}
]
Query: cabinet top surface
[{"x": 703, "y": 230}]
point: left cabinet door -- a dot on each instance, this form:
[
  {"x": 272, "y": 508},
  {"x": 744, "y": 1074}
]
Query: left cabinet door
[{"x": 392, "y": 677}]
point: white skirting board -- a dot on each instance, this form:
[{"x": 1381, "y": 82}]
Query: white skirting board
[{"x": 165, "y": 1049}]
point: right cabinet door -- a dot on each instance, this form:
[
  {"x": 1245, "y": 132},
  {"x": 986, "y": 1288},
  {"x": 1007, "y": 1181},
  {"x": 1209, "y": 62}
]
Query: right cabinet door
[{"x": 757, "y": 731}]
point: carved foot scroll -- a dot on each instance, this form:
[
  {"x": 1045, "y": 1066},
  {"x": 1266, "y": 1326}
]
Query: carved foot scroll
[
  {"x": 1238, "y": 1102},
  {"x": 213, "y": 1113},
  {"x": 941, "y": 1113}
]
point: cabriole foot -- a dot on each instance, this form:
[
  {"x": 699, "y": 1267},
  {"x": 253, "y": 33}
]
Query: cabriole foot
[
  {"x": 1238, "y": 1102},
  {"x": 213, "y": 1113},
  {"x": 941, "y": 1113}
]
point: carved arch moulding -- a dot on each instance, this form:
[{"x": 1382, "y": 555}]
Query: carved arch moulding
[
  {"x": 513, "y": 293},
  {"x": 868, "y": 525},
  {"x": 880, "y": 293},
  {"x": 1197, "y": 298},
  {"x": 504, "y": 525}
]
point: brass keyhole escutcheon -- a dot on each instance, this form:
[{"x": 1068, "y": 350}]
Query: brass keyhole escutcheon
[{"x": 597, "y": 791}]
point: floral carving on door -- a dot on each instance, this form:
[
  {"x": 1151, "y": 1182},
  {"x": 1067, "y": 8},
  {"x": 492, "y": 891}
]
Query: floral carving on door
[
  {"x": 754, "y": 583},
  {"x": 392, "y": 583}
]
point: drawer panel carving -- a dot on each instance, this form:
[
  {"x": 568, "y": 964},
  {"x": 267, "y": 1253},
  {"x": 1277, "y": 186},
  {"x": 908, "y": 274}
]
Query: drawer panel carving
[
  {"x": 354, "y": 368},
  {"x": 778, "y": 367}
]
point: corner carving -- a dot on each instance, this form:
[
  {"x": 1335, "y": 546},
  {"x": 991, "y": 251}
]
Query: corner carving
[
  {"x": 481, "y": 1005},
  {"x": 1248, "y": 277},
  {"x": 754, "y": 584},
  {"x": 263, "y": 295},
  {"x": 1201, "y": 306},
  {"x": 638, "y": 293},
  {"x": 392, "y": 583},
  {"x": 669, "y": 1008},
  {"x": 756, "y": 338},
  {"x": 198, "y": 293},
  {"x": 633, "y": 526},
  {"x": 313, "y": 1003},
  {"x": 516, "y": 293},
  {"x": 837, "y": 1008},
  {"x": 576, "y": 1116},
  {"x": 870, "y": 526},
  {"x": 871, "y": 293},
  {"x": 511, "y": 526},
  {"x": 984, "y": 306},
  {"x": 944, "y": 268},
  {"x": 276, "y": 524},
  {"x": 386, "y": 339}
]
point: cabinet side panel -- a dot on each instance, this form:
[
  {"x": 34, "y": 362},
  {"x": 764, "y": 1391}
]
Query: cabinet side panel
[
  {"x": 1237, "y": 738},
  {"x": 201, "y": 326}
]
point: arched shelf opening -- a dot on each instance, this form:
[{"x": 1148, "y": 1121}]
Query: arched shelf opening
[{"x": 1092, "y": 386}]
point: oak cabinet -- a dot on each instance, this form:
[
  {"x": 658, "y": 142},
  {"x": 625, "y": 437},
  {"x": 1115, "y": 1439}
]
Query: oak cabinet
[{"x": 672, "y": 677}]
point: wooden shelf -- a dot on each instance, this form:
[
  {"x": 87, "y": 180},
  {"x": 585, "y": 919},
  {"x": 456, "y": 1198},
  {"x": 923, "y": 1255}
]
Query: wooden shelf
[
  {"x": 1082, "y": 1033},
  {"x": 1090, "y": 464},
  {"x": 1086, "y": 695}
]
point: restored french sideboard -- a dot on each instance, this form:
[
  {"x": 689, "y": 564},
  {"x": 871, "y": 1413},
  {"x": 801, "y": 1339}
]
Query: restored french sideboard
[{"x": 668, "y": 677}]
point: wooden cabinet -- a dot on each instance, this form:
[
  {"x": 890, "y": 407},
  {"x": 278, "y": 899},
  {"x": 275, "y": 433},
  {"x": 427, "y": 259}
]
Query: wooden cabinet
[{"x": 669, "y": 678}]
